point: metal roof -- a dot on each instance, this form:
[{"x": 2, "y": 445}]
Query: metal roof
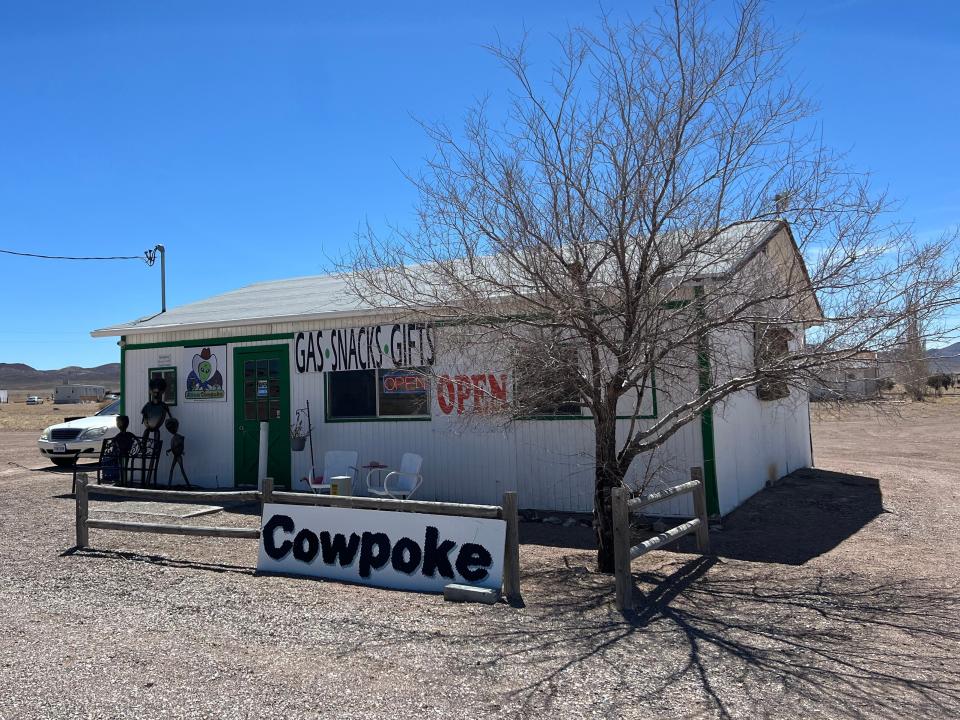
[
  {"x": 272, "y": 301},
  {"x": 327, "y": 296}
]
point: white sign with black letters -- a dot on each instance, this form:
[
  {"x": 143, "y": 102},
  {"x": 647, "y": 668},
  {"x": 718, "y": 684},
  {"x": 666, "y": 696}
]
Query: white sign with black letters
[{"x": 404, "y": 551}]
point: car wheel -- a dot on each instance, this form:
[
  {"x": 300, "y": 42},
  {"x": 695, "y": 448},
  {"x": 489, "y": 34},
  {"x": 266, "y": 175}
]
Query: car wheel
[{"x": 62, "y": 462}]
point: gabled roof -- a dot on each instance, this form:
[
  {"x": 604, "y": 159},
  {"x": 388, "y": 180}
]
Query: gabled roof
[
  {"x": 322, "y": 297},
  {"x": 302, "y": 298}
]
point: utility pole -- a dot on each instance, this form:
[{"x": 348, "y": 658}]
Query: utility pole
[{"x": 163, "y": 277}]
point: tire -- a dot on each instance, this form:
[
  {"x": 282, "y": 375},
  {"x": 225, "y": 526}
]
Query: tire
[{"x": 62, "y": 462}]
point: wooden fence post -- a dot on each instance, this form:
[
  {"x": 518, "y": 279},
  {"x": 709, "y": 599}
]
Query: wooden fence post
[
  {"x": 266, "y": 495},
  {"x": 82, "y": 510},
  {"x": 511, "y": 548},
  {"x": 700, "y": 509},
  {"x": 621, "y": 549}
]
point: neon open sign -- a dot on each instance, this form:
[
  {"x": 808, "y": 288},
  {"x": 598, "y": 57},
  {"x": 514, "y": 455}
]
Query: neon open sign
[{"x": 404, "y": 383}]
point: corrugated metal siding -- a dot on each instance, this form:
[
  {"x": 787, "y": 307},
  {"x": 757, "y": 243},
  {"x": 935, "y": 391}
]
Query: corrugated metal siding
[
  {"x": 549, "y": 463},
  {"x": 756, "y": 440}
]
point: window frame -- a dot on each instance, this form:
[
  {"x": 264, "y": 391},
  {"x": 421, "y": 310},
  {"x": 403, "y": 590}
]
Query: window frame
[
  {"x": 771, "y": 389},
  {"x": 163, "y": 369},
  {"x": 327, "y": 418}
]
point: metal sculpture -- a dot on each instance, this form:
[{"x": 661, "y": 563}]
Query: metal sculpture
[
  {"x": 156, "y": 411},
  {"x": 123, "y": 445},
  {"x": 153, "y": 415},
  {"x": 176, "y": 447}
]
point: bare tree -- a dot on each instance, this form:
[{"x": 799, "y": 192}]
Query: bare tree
[
  {"x": 911, "y": 355},
  {"x": 629, "y": 218}
]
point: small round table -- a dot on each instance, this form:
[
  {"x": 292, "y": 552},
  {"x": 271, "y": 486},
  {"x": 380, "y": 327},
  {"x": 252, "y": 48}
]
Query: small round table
[{"x": 375, "y": 467}]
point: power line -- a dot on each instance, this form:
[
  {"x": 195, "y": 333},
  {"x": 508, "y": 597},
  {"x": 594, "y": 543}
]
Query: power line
[{"x": 146, "y": 257}]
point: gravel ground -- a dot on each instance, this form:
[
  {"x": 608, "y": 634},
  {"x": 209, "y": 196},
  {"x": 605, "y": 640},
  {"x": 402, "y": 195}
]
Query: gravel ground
[{"x": 832, "y": 595}]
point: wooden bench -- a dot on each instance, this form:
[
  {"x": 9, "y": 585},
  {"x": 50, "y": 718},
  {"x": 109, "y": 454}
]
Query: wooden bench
[{"x": 142, "y": 460}]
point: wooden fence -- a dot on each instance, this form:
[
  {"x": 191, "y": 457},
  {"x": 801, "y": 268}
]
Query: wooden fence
[
  {"x": 624, "y": 553},
  {"x": 507, "y": 512}
]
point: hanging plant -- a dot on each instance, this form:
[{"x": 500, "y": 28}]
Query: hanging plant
[{"x": 298, "y": 434}]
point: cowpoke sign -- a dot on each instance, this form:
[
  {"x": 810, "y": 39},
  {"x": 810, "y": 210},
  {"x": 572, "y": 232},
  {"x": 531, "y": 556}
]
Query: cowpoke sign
[{"x": 402, "y": 551}]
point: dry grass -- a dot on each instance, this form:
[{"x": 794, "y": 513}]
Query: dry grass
[
  {"x": 887, "y": 408},
  {"x": 18, "y": 416}
]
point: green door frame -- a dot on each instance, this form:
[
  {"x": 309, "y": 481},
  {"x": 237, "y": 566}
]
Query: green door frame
[{"x": 281, "y": 468}]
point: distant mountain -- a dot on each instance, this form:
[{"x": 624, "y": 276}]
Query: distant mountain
[
  {"x": 17, "y": 376},
  {"x": 945, "y": 359}
]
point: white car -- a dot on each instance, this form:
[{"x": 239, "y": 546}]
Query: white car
[
  {"x": 34, "y": 400},
  {"x": 62, "y": 443}
]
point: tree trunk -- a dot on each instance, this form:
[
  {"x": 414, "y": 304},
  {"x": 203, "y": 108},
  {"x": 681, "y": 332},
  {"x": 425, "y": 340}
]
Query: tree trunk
[{"x": 608, "y": 476}]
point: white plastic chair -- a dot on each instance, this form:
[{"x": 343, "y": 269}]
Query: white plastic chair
[
  {"x": 336, "y": 463},
  {"x": 403, "y": 483}
]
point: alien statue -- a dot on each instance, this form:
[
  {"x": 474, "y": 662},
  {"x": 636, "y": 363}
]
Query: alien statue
[
  {"x": 156, "y": 410},
  {"x": 153, "y": 415},
  {"x": 123, "y": 444},
  {"x": 176, "y": 447}
]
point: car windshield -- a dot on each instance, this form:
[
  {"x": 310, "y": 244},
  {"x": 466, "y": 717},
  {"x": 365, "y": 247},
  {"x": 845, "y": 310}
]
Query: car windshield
[{"x": 111, "y": 409}]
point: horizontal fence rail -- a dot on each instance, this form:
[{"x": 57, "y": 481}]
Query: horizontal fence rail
[
  {"x": 507, "y": 512},
  {"x": 363, "y": 503},
  {"x": 638, "y": 503},
  {"x": 624, "y": 553},
  {"x": 234, "y": 496},
  {"x": 664, "y": 538},
  {"x": 166, "y": 529}
]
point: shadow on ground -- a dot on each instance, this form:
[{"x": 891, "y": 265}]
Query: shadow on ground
[
  {"x": 806, "y": 514},
  {"x": 850, "y": 648},
  {"x": 159, "y": 560}
]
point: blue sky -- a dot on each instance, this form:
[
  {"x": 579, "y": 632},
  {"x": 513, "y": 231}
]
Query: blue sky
[{"x": 252, "y": 139}]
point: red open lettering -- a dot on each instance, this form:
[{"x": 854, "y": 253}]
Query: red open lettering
[
  {"x": 498, "y": 390},
  {"x": 463, "y": 391},
  {"x": 478, "y": 382},
  {"x": 445, "y": 394}
]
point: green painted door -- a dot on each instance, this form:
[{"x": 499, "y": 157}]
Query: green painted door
[{"x": 261, "y": 392}]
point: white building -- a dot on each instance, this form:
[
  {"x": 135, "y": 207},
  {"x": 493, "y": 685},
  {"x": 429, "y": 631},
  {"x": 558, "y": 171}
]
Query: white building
[
  {"x": 66, "y": 394},
  {"x": 264, "y": 351},
  {"x": 853, "y": 378}
]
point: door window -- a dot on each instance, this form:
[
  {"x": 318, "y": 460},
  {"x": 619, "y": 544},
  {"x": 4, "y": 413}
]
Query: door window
[{"x": 261, "y": 390}]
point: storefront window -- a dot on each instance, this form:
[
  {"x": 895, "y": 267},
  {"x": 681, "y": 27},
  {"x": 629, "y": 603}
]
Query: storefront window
[
  {"x": 169, "y": 375},
  {"x": 403, "y": 392},
  {"x": 547, "y": 389},
  {"x": 351, "y": 394},
  {"x": 361, "y": 394}
]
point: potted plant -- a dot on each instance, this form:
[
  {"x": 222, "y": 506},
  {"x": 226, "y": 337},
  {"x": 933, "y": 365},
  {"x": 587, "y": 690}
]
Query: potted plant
[{"x": 298, "y": 435}]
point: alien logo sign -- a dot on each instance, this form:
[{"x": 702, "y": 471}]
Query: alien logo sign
[{"x": 204, "y": 382}]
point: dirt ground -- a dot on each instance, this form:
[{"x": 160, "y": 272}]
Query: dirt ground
[
  {"x": 18, "y": 416},
  {"x": 833, "y": 594}
]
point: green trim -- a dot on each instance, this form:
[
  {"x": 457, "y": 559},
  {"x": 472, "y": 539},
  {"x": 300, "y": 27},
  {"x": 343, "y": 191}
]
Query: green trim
[
  {"x": 706, "y": 416},
  {"x": 123, "y": 373},
  {"x": 371, "y": 419},
  {"x": 211, "y": 341},
  {"x": 582, "y": 417},
  {"x": 398, "y": 418},
  {"x": 653, "y": 390},
  {"x": 176, "y": 390}
]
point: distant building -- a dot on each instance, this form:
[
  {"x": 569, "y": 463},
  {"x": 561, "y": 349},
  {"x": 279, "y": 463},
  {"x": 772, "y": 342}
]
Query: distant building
[
  {"x": 66, "y": 394},
  {"x": 854, "y": 378},
  {"x": 3, "y": 396}
]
